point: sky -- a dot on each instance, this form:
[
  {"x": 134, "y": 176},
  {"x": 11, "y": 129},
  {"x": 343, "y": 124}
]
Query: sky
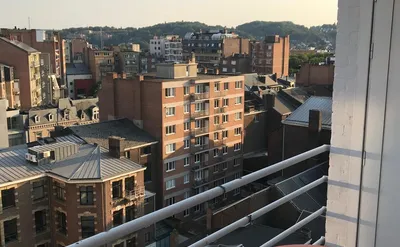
[{"x": 51, "y": 14}]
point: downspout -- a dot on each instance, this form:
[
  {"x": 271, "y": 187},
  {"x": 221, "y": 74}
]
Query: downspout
[{"x": 283, "y": 144}]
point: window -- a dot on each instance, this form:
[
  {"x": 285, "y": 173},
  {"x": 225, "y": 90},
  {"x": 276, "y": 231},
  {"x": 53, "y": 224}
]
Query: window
[
  {"x": 186, "y": 90},
  {"x": 186, "y": 179},
  {"x": 216, "y": 86},
  {"x": 199, "y": 124},
  {"x": 186, "y": 161},
  {"x": 238, "y": 131},
  {"x": 216, "y": 169},
  {"x": 237, "y": 146},
  {"x": 233, "y": 62},
  {"x": 226, "y": 102},
  {"x": 186, "y": 108},
  {"x": 199, "y": 107},
  {"x": 61, "y": 222},
  {"x": 186, "y": 212},
  {"x": 40, "y": 221},
  {"x": 238, "y": 84},
  {"x": 197, "y": 208},
  {"x": 169, "y": 130},
  {"x": 129, "y": 184},
  {"x": 224, "y": 166},
  {"x": 38, "y": 190},
  {"x": 238, "y": 116},
  {"x": 37, "y": 119},
  {"x": 127, "y": 154},
  {"x": 199, "y": 175},
  {"x": 226, "y": 86},
  {"x": 238, "y": 100},
  {"x": 129, "y": 213},
  {"x": 145, "y": 150},
  {"x": 200, "y": 88},
  {"x": 186, "y": 126},
  {"x": 224, "y": 134},
  {"x": 186, "y": 144},
  {"x": 225, "y": 118},
  {"x": 224, "y": 62},
  {"x": 170, "y": 201},
  {"x": 147, "y": 172},
  {"x": 87, "y": 225},
  {"x": 131, "y": 242},
  {"x": 224, "y": 149},
  {"x": 233, "y": 70},
  {"x": 147, "y": 237},
  {"x": 199, "y": 141},
  {"x": 197, "y": 158},
  {"x": 51, "y": 117},
  {"x": 170, "y": 148},
  {"x": 236, "y": 162},
  {"x": 216, "y": 136},
  {"x": 236, "y": 192},
  {"x": 170, "y": 166},
  {"x": 256, "y": 118},
  {"x": 10, "y": 230},
  {"x": 216, "y": 152},
  {"x": 117, "y": 217},
  {"x": 170, "y": 111},
  {"x": 186, "y": 195},
  {"x": 224, "y": 69},
  {"x": 8, "y": 198},
  {"x": 86, "y": 195},
  {"x": 216, "y": 119},
  {"x": 117, "y": 189},
  {"x": 216, "y": 103}
]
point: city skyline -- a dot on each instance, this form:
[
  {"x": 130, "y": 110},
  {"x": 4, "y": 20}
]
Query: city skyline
[{"x": 306, "y": 12}]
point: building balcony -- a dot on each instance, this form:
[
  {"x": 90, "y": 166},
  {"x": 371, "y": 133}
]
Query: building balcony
[
  {"x": 200, "y": 96},
  {"x": 218, "y": 175},
  {"x": 199, "y": 148},
  {"x": 199, "y": 131},
  {"x": 199, "y": 182},
  {"x": 219, "y": 126},
  {"x": 220, "y": 94},
  {"x": 135, "y": 194},
  {"x": 199, "y": 165},
  {"x": 219, "y": 110},
  {"x": 199, "y": 114}
]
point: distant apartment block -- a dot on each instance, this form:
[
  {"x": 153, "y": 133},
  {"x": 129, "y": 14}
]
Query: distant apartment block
[
  {"x": 41, "y": 121},
  {"x": 168, "y": 48},
  {"x": 26, "y": 63},
  {"x": 211, "y": 47},
  {"x": 43, "y": 41},
  {"x": 271, "y": 56},
  {"x": 80, "y": 81},
  {"x": 127, "y": 62},
  {"x": 58, "y": 191},
  {"x": 101, "y": 62},
  {"x": 7, "y": 86},
  {"x": 198, "y": 121}
]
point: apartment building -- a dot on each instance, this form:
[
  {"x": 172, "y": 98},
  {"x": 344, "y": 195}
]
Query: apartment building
[
  {"x": 100, "y": 63},
  {"x": 26, "y": 63},
  {"x": 168, "y": 48},
  {"x": 57, "y": 191},
  {"x": 79, "y": 80},
  {"x": 7, "y": 90},
  {"x": 212, "y": 46},
  {"x": 43, "y": 41},
  {"x": 127, "y": 62},
  {"x": 197, "y": 119},
  {"x": 271, "y": 56},
  {"x": 41, "y": 121}
]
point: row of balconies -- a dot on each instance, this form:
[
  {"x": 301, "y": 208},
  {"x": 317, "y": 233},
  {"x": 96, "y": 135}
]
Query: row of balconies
[{"x": 130, "y": 195}]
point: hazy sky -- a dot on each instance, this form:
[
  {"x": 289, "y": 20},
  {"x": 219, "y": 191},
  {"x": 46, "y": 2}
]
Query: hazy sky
[{"x": 52, "y": 14}]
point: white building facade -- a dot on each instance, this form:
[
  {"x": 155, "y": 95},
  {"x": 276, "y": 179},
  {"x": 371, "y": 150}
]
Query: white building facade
[{"x": 168, "y": 48}]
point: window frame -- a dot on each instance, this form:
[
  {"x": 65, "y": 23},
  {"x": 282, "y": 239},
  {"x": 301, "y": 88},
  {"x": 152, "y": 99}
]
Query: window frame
[
  {"x": 170, "y": 92},
  {"x": 10, "y": 236},
  {"x": 88, "y": 191},
  {"x": 170, "y": 184},
  {"x": 10, "y": 193},
  {"x": 86, "y": 231},
  {"x": 43, "y": 217},
  {"x": 170, "y": 166}
]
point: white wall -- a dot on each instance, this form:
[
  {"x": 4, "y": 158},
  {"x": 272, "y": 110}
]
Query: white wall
[
  {"x": 3, "y": 124},
  {"x": 71, "y": 79}
]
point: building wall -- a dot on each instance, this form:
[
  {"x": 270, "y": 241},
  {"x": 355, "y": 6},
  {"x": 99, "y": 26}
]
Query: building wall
[
  {"x": 78, "y": 46},
  {"x": 83, "y": 86},
  {"x": 310, "y": 75},
  {"x": 232, "y": 46},
  {"x": 71, "y": 83},
  {"x": 255, "y": 135},
  {"x": 3, "y": 124}
]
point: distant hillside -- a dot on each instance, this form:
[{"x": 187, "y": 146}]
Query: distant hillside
[{"x": 318, "y": 36}]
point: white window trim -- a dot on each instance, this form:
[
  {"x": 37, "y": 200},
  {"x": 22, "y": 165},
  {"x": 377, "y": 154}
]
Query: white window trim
[
  {"x": 184, "y": 144},
  {"x": 188, "y": 181},
  {"x": 186, "y": 165},
  {"x": 170, "y": 187},
  {"x": 170, "y": 152}
]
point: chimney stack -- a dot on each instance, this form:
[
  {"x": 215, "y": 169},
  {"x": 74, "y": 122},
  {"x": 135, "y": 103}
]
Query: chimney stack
[
  {"x": 315, "y": 121},
  {"x": 116, "y": 146},
  {"x": 123, "y": 75},
  {"x": 193, "y": 58},
  {"x": 269, "y": 101}
]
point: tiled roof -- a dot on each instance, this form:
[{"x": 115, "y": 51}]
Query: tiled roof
[
  {"x": 20, "y": 45},
  {"x": 300, "y": 116},
  {"x": 99, "y": 133}
]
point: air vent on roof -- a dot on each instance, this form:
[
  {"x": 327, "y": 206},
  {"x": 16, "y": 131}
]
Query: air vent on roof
[{"x": 44, "y": 154}]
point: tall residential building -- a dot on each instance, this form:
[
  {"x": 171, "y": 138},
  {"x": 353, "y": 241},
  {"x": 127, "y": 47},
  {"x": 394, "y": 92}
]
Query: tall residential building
[
  {"x": 43, "y": 41},
  {"x": 271, "y": 56},
  {"x": 168, "y": 48},
  {"x": 101, "y": 62},
  {"x": 60, "y": 190},
  {"x": 7, "y": 89},
  {"x": 127, "y": 62},
  {"x": 26, "y": 62},
  {"x": 198, "y": 121},
  {"x": 212, "y": 46},
  {"x": 3, "y": 123}
]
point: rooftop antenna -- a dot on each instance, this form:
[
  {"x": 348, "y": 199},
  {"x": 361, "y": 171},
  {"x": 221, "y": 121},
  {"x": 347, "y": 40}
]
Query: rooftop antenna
[{"x": 29, "y": 22}]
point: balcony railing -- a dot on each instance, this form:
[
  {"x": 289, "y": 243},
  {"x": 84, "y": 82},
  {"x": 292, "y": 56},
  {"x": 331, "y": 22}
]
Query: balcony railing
[
  {"x": 199, "y": 114},
  {"x": 200, "y": 96},
  {"x": 199, "y": 148},
  {"x": 159, "y": 215},
  {"x": 199, "y": 131},
  {"x": 199, "y": 182},
  {"x": 219, "y": 110},
  {"x": 135, "y": 194},
  {"x": 220, "y": 126},
  {"x": 199, "y": 165},
  {"x": 220, "y": 93}
]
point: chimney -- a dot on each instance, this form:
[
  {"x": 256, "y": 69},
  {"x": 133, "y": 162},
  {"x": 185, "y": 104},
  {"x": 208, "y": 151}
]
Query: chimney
[
  {"x": 193, "y": 58},
  {"x": 123, "y": 75},
  {"x": 268, "y": 100},
  {"x": 217, "y": 71},
  {"x": 315, "y": 121},
  {"x": 116, "y": 146},
  {"x": 140, "y": 77},
  {"x": 205, "y": 70}
]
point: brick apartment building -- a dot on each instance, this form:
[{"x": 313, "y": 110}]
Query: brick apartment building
[
  {"x": 7, "y": 90},
  {"x": 197, "y": 119},
  {"x": 271, "y": 56},
  {"x": 60, "y": 190},
  {"x": 127, "y": 62},
  {"x": 100, "y": 63},
  {"x": 212, "y": 46},
  {"x": 43, "y": 41},
  {"x": 26, "y": 63},
  {"x": 41, "y": 121},
  {"x": 316, "y": 79}
]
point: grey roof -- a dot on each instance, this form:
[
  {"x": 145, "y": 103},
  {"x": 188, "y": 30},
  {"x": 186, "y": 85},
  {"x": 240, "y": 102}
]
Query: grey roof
[
  {"x": 77, "y": 69},
  {"x": 20, "y": 45},
  {"x": 90, "y": 163},
  {"x": 297, "y": 93},
  {"x": 300, "y": 116},
  {"x": 252, "y": 80},
  {"x": 283, "y": 106},
  {"x": 99, "y": 133}
]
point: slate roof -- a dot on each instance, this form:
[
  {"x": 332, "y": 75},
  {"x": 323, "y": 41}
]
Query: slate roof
[
  {"x": 90, "y": 163},
  {"x": 77, "y": 69},
  {"x": 300, "y": 116},
  {"x": 20, "y": 45},
  {"x": 99, "y": 133}
]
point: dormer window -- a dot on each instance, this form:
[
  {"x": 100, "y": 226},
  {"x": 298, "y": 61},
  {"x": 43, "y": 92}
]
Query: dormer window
[
  {"x": 95, "y": 113},
  {"x": 82, "y": 116},
  {"x": 51, "y": 117},
  {"x": 66, "y": 114},
  {"x": 37, "y": 119}
]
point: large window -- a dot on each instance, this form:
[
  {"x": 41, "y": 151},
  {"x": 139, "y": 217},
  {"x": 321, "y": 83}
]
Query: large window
[
  {"x": 170, "y": 111},
  {"x": 61, "y": 222},
  {"x": 169, "y": 92},
  {"x": 170, "y": 184},
  {"x": 186, "y": 90},
  {"x": 169, "y": 130},
  {"x": 60, "y": 191},
  {"x": 238, "y": 100},
  {"x": 145, "y": 150},
  {"x": 170, "y": 148},
  {"x": 238, "y": 84},
  {"x": 10, "y": 230},
  {"x": 131, "y": 242},
  {"x": 226, "y": 86},
  {"x": 117, "y": 217},
  {"x": 86, "y": 195},
  {"x": 129, "y": 213},
  {"x": 117, "y": 189},
  {"x": 87, "y": 225},
  {"x": 8, "y": 198},
  {"x": 147, "y": 172},
  {"x": 170, "y": 166},
  {"x": 40, "y": 221}
]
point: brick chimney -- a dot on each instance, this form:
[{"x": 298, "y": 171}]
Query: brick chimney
[
  {"x": 217, "y": 71},
  {"x": 116, "y": 146},
  {"x": 123, "y": 75},
  {"x": 315, "y": 121},
  {"x": 268, "y": 100},
  {"x": 140, "y": 77}
]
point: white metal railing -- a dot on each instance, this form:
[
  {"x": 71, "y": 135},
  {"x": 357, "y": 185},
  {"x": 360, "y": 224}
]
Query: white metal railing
[{"x": 154, "y": 217}]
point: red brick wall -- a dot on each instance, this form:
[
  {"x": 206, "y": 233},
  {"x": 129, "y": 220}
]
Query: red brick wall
[
  {"x": 310, "y": 75},
  {"x": 83, "y": 84}
]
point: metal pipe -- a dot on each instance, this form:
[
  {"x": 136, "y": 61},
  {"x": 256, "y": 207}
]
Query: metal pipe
[
  {"x": 319, "y": 241},
  {"x": 243, "y": 222},
  {"x": 147, "y": 220},
  {"x": 294, "y": 228}
]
